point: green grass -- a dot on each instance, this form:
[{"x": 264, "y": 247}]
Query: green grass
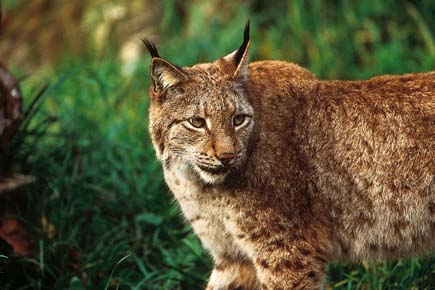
[{"x": 115, "y": 223}]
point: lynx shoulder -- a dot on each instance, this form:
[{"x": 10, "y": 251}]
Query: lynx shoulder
[{"x": 280, "y": 173}]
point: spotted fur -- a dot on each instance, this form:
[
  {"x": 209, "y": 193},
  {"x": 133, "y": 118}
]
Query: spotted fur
[{"x": 318, "y": 170}]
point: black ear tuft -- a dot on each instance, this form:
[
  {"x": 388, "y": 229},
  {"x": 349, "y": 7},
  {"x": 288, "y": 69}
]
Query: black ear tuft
[
  {"x": 151, "y": 48},
  {"x": 242, "y": 48}
]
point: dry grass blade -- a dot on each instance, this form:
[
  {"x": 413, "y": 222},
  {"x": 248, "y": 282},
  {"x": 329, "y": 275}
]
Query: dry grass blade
[{"x": 11, "y": 182}]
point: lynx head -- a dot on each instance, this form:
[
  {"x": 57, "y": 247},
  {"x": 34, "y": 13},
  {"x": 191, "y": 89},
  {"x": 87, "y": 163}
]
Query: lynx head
[{"x": 200, "y": 117}]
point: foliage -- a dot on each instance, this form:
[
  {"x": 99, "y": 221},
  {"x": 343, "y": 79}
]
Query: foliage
[{"x": 103, "y": 217}]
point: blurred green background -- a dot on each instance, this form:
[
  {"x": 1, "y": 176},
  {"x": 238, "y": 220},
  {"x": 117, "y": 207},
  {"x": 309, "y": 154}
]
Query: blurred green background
[{"x": 100, "y": 214}]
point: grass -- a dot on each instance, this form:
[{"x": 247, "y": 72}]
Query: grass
[{"x": 101, "y": 214}]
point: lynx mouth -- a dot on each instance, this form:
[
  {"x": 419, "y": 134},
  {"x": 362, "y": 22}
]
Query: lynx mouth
[
  {"x": 212, "y": 175},
  {"x": 220, "y": 170}
]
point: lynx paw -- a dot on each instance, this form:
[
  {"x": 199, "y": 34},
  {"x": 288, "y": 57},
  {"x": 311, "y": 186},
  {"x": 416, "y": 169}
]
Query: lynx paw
[{"x": 235, "y": 276}]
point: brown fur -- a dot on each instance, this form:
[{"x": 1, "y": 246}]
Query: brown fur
[{"x": 320, "y": 171}]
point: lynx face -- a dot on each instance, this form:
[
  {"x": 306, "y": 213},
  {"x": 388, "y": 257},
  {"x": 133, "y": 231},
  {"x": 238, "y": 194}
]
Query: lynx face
[
  {"x": 199, "y": 116},
  {"x": 205, "y": 123}
]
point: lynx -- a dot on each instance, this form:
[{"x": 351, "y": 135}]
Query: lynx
[{"x": 279, "y": 172}]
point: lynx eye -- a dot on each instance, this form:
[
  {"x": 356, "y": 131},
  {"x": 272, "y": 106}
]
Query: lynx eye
[
  {"x": 197, "y": 122},
  {"x": 239, "y": 120}
]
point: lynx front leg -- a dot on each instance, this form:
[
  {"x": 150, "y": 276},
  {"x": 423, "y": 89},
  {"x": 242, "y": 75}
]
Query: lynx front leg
[
  {"x": 292, "y": 261},
  {"x": 233, "y": 270},
  {"x": 286, "y": 256},
  {"x": 284, "y": 270},
  {"x": 233, "y": 275}
]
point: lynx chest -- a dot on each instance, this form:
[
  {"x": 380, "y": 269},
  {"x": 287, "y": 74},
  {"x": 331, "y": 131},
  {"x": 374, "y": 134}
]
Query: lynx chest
[{"x": 205, "y": 214}]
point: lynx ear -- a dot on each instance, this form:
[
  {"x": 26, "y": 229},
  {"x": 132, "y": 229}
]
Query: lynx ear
[
  {"x": 236, "y": 63},
  {"x": 163, "y": 73},
  {"x": 166, "y": 74}
]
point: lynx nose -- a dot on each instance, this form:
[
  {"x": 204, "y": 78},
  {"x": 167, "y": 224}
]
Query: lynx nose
[{"x": 225, "y": 157}]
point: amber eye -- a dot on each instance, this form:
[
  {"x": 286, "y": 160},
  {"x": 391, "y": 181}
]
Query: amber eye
[
  {"x": 197, "y": 122},
  {"x": 238, "y": 120}
]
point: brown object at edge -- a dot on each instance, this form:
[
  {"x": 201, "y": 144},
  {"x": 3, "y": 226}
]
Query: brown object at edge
[{"x": 11, "y": 107}]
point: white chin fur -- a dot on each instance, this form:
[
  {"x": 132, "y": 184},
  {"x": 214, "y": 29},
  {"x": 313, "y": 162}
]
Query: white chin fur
[{"x": 210, "y": 178}]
